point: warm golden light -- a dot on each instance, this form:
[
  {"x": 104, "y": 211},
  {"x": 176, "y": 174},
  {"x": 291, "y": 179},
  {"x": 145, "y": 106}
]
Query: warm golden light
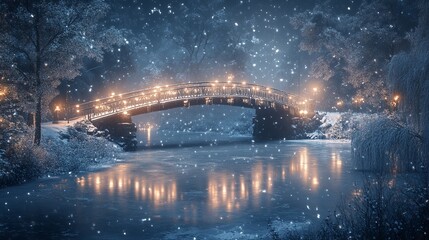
[
  {"x": 396, "y": 98},
  {"x": 315, "y": 181},
  {"x": 303, "y": 112},
  {"x": 57, "y": 108}
]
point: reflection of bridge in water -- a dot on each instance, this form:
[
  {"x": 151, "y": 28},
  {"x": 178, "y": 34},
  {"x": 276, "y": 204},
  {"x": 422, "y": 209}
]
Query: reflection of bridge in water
[{"x": 275, "y": 109}]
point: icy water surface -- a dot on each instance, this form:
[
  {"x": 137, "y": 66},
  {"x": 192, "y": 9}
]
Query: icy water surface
[{"x": 226, "y": 190}]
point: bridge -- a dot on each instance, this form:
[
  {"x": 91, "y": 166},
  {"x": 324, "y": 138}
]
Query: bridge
[{"x": 275, "y": 109}]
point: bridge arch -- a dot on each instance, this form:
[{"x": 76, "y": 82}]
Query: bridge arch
[
  {"x": 275, "y": 109},
  {"x": 187, "y": 94}
]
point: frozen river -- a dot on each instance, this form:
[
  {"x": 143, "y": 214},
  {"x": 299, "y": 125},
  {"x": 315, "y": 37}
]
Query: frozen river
[{"x": 213, "y": 190}]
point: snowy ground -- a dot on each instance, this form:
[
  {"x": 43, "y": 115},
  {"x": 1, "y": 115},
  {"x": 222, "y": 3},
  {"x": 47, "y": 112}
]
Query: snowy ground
[{"x": 53, "y": 130}]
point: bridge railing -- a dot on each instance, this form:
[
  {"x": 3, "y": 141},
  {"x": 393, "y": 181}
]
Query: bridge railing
[{"x": 161, "y": 94}]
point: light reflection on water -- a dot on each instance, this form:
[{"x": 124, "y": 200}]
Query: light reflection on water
[
  {"x": 204, "y": 189},
  {"x": 227, "y": 190},
  {"x": 123, "y": 183}
]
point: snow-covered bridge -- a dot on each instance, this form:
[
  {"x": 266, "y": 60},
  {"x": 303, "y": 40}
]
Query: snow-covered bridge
[{"x": 275, "y": 108}]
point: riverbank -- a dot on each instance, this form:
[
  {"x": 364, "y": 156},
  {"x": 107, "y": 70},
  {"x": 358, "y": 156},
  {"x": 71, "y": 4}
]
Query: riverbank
[
  {"x": 65, "y": 148},
  {"x": 338, "y": 125}
]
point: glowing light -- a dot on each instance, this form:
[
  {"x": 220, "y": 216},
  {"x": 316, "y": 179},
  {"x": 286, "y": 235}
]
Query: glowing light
[
  {"x": 243, "y": 83},
  {"x": 340, "y": 103},
  {"x": 396, "y": 98},
  {"x": 3, "y": 92},
  {"x": 303, "y": 112},
  {"x": 315, "y": 89},
  {"x": 315, "y": 181},
  {"x": 57, "y": 108}
]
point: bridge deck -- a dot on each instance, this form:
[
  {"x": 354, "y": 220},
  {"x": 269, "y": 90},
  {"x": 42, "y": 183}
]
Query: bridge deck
[{"x": 186, "y": 93}]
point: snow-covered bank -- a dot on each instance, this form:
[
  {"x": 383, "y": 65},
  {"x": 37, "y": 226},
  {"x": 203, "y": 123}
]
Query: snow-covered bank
[
  {"x": 336, "y": 125},
  {"x": 77, "y": 146},
  {"x": 65, "y": 147}
]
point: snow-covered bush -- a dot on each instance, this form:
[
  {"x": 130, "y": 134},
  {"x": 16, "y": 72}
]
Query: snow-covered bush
[
  {"x": 78, "y": 151},
  {"x": 70, "y": 151},
  {"x": 383, "y": 207},
  {"x": 22, "y": 161},
  {"x": 386, "y": 145},
  {"x": 347, "y": 124}
]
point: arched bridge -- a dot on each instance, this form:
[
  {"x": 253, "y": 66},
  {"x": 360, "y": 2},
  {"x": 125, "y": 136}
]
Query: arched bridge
[
  {"x": 187, "y": 94},
  {"x": 275, "y": 109}
]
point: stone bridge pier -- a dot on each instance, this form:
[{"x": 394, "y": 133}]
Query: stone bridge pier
[
  {"x": 121, "y": 130},
  {"x": 271, "y": 124}
]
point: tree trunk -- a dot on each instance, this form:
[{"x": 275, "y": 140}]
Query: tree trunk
[
  {"x": 38, "y": 121},
  {"x": 39, "y": 92}
]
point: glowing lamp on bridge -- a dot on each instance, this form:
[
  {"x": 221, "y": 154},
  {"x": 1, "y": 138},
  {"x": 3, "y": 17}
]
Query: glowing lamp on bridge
[
  {"x": 230, "y": 77},
  {"x": 243, "y": 83},
  {"x": 303, "y": 112},
  {"x": 396, "y": 98}
]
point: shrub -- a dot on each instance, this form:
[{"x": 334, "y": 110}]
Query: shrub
[{"x": 386, "y": 145}]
